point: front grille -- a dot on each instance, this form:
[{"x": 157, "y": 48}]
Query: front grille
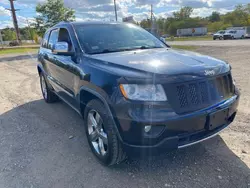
[{"x": 192, "y": 96}]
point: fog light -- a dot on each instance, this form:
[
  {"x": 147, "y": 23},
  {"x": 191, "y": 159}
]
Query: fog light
[{"x": 147, "y": 128}]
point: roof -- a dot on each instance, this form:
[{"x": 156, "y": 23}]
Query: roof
[
  {"x": 87, "y": 23},
  {"x": 94, "y": 23}
]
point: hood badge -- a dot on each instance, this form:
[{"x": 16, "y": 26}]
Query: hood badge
[{"x": 209, "y": 72}]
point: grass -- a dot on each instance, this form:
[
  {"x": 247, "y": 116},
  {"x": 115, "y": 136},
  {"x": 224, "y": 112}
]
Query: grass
[
  {"x": 203, "y": 38},
  {"x": 182, "y": 47},
  {"x": 18, "y": 50}
]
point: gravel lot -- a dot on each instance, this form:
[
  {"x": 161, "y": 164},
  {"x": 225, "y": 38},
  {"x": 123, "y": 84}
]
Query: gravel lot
[
  {"x": 36, "y": 150},
  {"x": 215, "y": 43}
]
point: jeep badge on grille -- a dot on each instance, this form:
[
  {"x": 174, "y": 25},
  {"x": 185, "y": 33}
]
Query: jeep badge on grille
[{"x": 209, "y": 73}]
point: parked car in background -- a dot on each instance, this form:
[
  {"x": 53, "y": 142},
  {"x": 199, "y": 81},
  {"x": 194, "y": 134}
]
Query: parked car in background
[
  {"x": 234, "y": 34},
  {"x": 219, "y": 35},
  {"x": 137, "y": 96},
  {"x": 247, "y": 35},
  {"x": 14, "y": 43}
]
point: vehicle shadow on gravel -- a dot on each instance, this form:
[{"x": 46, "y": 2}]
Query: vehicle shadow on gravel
[
  {"x": 44, "y": 138},
  {"x": 18, "y": 57}
]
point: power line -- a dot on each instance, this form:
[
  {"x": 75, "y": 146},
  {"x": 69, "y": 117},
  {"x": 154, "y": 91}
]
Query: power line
[{"x": 15, "y": 23}]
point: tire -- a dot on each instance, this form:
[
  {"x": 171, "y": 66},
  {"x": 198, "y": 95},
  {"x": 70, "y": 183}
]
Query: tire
[
  {"x": 110, "y": 152},
  {"x": 232, "y": 37},
  {"x": 221, "y": 38},
  {"x": 48, "y": 95}
]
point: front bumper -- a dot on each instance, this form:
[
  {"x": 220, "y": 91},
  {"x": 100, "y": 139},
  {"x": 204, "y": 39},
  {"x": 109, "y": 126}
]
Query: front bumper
[
  {"x": 175, "y": 131},
  {"x": 217, "y": 37}
]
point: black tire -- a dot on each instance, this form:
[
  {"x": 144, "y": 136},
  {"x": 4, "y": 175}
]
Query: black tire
[
  {"x": 50, "y": 97},
  {"x": 221, "y": 38},
  {"x": 114, "y": 154}
]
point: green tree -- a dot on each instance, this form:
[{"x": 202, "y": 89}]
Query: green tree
[
  {"x": 8, "y": 34},
  {"x": 215, "y": 17},
  {"x": 184, "y": 13},
  {"x": 51, "y": 13},
  {"x": 146, "y": 23}
]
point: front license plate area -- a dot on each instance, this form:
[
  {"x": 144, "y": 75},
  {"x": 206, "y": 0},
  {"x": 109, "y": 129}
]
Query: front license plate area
[{"x": 217, "y": 119}]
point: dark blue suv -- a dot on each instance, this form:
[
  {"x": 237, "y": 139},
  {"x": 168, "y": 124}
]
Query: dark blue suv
[{"x": 137, "y": 95}]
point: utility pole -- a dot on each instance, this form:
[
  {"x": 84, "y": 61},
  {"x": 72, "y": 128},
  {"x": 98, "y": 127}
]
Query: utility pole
[
  {"x": 115, "y": 10},
  {"x": 1, "y": 38},
  {"x": 13, "y": 13},
  {"x": 151, "y": 13}
]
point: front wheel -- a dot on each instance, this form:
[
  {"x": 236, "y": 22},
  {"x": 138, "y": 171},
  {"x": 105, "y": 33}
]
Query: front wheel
[{"x": 101, "y": 134}]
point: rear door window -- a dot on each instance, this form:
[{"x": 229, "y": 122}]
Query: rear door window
[{"x": 53, "y": 38}]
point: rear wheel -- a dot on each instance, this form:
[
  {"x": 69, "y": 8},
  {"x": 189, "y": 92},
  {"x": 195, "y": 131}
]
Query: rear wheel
[
  {"x": 48, "y": 95},
  {"x": 101, "y": 134},
  {"x": 221, "y": 38}
]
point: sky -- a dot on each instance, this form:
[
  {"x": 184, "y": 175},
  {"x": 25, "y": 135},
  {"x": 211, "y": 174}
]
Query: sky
[{"x": 104, "y": 9}]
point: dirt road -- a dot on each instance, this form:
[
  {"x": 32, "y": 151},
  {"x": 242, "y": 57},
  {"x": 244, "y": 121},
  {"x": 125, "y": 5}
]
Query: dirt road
[{"x": 36, "y": 149}]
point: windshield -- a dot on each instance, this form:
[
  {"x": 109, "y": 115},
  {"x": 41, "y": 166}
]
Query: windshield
[{"x": 106, "y": 38}]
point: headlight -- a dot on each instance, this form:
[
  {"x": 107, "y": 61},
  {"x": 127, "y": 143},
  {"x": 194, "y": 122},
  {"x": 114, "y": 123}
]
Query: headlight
[{"x": 147, "y": 92}]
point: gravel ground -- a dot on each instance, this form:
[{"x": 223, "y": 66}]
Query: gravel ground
[
  {"x": 216, "y": 43},
  {"x": 45, "y": 146}
]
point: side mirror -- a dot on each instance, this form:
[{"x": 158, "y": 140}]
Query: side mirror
[{"x": 61, "y": 48}]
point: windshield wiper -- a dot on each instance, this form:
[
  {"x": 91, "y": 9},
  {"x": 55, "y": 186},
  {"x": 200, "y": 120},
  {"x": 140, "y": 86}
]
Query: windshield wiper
[
  {"x": 150, "y": 47},
  {"x": 124, "y": 49},
  {"x": 106, "y": 51}
]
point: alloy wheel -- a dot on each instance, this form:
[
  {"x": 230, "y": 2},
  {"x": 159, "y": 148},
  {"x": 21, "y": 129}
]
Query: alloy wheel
[
  {"x": 97, "y": 134},
  {"x": 44, "y": 87}
]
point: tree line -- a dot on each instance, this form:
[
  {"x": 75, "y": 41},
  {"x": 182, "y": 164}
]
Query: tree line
[
  {"x": 239, "y": 17},
  {"x": 53, "y": 11}
]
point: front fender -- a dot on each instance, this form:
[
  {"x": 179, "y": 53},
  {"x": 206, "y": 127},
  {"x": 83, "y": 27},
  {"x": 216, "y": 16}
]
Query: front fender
[{"x": 103, "y": 97}]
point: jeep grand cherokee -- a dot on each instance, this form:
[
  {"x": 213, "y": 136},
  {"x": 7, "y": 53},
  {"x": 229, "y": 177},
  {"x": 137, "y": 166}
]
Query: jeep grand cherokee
[{"x": 137, "y": 95}]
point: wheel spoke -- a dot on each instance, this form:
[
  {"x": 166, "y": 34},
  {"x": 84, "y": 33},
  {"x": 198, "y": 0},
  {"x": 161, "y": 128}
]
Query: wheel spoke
[
  {"x": 93, "y": 136},
  {"x": 96, "y": 146},
  {"x": 92, "y": 120},
  {"x": 104, "y": 137},
  {"x": 98, "y": 120},
  {"x": 101, "y": 146}
]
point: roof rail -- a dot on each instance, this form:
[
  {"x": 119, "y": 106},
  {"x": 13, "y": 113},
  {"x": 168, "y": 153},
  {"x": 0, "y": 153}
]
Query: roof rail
[{"x": 62, "y": 22}]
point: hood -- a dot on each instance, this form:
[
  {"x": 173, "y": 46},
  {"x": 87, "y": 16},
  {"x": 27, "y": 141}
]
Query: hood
[
  {"x": 166, "y": 61},
  {"x": 218, "y": 34}
]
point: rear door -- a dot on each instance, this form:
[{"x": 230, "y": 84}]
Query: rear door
[
  {"x": 43, "y": 53},
  {"x": 54, "y": 74}
]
